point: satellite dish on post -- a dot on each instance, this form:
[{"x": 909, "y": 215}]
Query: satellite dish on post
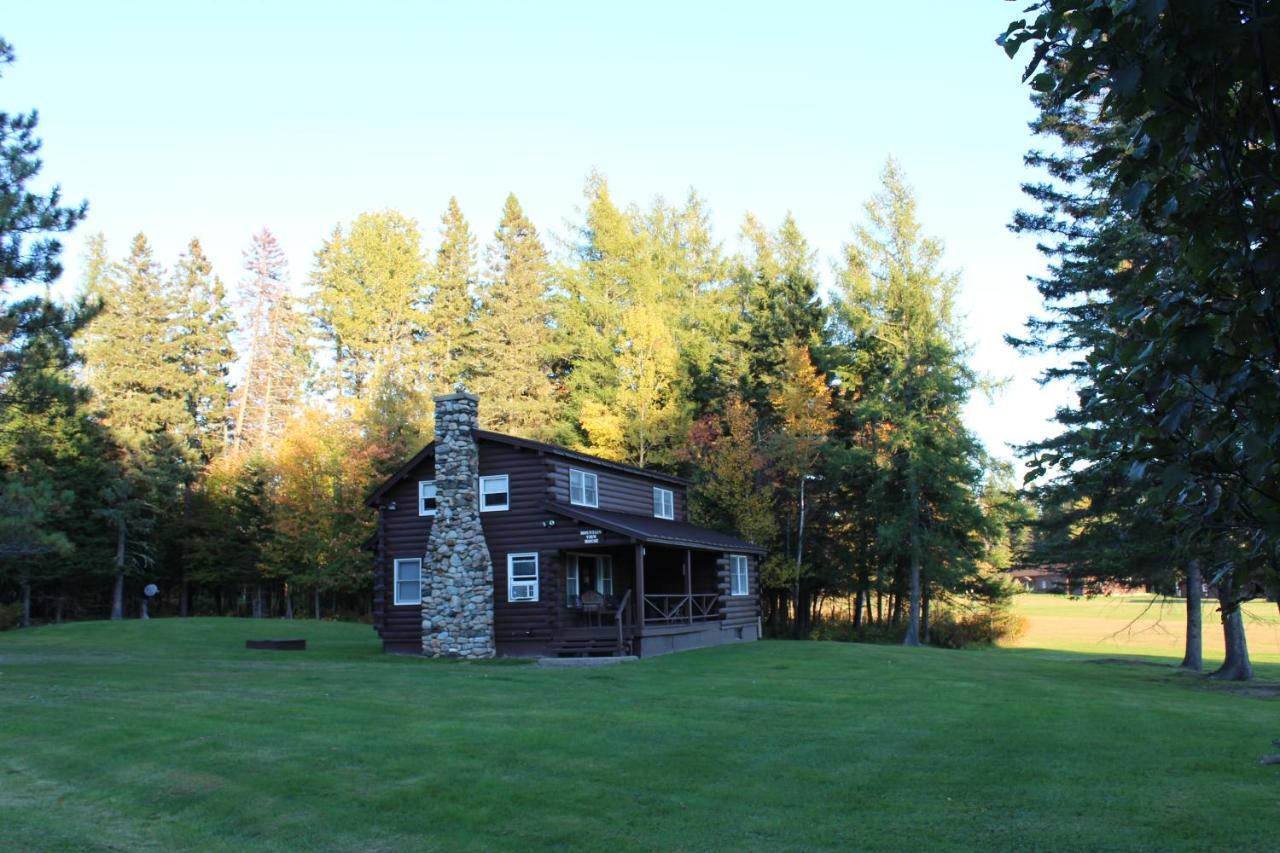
[{"x": 149, "y": 591}]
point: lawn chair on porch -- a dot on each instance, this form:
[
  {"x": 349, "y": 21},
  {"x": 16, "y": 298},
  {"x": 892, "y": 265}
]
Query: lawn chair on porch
[{"x": 592, "y": 605}]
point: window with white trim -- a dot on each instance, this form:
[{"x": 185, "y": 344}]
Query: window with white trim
[
  {"x": 664, "y": 503},
  {"x": 738, "y": 582},
  {"x": 592, "y": 571},
  {"x": 571, "y": 588},
  {"x": 583, "y": 488},
  {"x": 407, "y": 581},
  {"x": 522, "y": 577},
  {"x": 495, "y": 494},
  {"x": 426, "y": 497}
]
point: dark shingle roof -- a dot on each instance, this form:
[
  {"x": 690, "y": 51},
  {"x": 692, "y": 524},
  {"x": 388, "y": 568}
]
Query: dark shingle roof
[{"x": 656, "y": 531}]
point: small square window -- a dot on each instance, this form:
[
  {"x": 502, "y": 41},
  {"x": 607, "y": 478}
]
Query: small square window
[
  {"x": 426, "y": 497},
  {"x": 407, "y": 581},
  {"x": 495, "y": 494},
  {"x": 583, "y": 488},
  {"x": 664, "y": 503}
]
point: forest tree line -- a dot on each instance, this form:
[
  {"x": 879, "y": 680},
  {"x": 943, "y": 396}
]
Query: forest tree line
[{"x": 217, "y": 437}]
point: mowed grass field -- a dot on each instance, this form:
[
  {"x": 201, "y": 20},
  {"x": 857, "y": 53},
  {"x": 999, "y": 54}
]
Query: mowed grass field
[
  {"x": 1141, "y": 626},
  {"x": 169, "y": 734}
]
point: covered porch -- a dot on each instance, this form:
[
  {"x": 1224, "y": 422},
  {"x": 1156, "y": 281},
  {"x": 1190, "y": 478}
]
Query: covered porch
[{"x": 642, "y": 579}]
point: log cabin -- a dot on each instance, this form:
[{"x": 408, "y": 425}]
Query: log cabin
[{"x": 488, "y": 544}]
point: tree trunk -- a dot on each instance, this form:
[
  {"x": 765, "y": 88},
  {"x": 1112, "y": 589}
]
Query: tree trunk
[
  {"x": 257, "y": 601},
  {"x": 117, "y": 594},
  {"x": 1236, "y": 666},
  {"x": 26, "y": 604},
  {"x": 317, "y": 602},
  {"x": 924, "y": 613},
  {"x": 57, "y": 609},
  {"x": 184, "y": 597},
  {"x": 288, "y": 603},
  {"x": 1193, "y": 658},
  {"x": 913, "y": 615}
]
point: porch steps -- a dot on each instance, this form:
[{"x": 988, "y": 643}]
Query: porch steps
[{"x": 585, "y": 646}]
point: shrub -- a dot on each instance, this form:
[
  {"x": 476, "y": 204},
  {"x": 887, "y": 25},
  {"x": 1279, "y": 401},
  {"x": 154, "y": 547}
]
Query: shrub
[
  {"x": 954, "y": 628},
  {"x": 10, "y": 616}
]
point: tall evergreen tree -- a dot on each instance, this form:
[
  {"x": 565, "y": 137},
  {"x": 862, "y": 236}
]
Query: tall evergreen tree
[
  {"x": 779, "y": 287},
  {"x": 203, "y": 325},
  {"x": 29, "y": 249},
  {"x": 370, "y": 290},
  {"x": 513, "y": 332},
  {"x": 895, "y": 300},
  {"x": 133, "y": 364},
  {"x": 450, "y": 323}
]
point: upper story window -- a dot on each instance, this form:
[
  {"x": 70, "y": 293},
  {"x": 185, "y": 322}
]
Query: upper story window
[
  {"x": 495, "y": 494},
  {"x": 522, "y": 577},
  {"x": 407, "y": 582},
  {"x": 738, "y": 584},
  {"x": 664, "y": 503},
  {"x": 426, "y": 497},
  {"x": 583, "y": 489}
]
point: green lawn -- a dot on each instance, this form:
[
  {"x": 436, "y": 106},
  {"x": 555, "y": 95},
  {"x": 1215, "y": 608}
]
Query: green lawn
[
  {"x": 169, "y": 734},
  {"x": 1141, "y": 626}
]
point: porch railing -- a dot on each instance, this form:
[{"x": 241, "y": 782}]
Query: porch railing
[
  {"x": 678, "y": 607},
  {"x": 619, "y": 617}
]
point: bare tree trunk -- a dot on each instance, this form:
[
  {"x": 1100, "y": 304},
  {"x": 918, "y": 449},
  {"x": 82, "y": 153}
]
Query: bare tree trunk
[
  {"x": 913, "y": 616},
  {"x": 1236, "y": 665},
  {"x": 1193, "y": 658},
  {"x": 57, "y": 608},
  {"x": 117, "y": 594},
  {"x": 26, "y": 603},
  {"x": 257, "y": 601},
  {"x": 288, "y": 603},
  {"x": 317, "y": 602},
  {"x": 184, "y": 597}
]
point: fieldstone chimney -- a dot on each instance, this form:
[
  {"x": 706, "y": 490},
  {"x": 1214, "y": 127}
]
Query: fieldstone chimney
[{"x": 457, "y": 600}]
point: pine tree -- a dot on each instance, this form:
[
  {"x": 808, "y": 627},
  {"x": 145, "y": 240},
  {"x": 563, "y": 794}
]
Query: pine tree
[
  {"x": 29, "y": 253},
  {"x": 133, "y": 364},
  {"x": 779, "y": 295},
  {"x": 450, "y": 324},
  {"x": 276, "y": 360},
  {"x": 371, "y": 289},
  {"x": 896, "y": 301},
  {"x": 203, "y": 325},
  {"x": 513, "y": 332}
]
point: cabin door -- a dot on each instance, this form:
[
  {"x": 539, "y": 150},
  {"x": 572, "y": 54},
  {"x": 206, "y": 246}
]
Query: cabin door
[{"x": 588, "y": 571}]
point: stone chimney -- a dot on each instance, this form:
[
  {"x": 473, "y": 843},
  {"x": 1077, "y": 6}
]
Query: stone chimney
[{"x": 457, "y": 601}]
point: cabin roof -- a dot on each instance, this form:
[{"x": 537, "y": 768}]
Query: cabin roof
[
  {"x": 655, "y": 531},
  {"x": 527, "y": 444}
]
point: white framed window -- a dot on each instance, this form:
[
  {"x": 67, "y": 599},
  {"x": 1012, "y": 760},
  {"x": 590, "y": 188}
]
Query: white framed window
[
  {"x": 664, "y": 503},
  {"x": 583, "y": 488},
  {"x": 495, "y": 494},
  {"x": 426, "y": 497},
  {"x": 604, "y": 576},
  {"x": 595, "y": 570},
  {"x": 571, "y": 588},
  {"x": 522, "y": 577},
  {"x": 407, "y": 581},
  {"x": 738, "y": 581}
]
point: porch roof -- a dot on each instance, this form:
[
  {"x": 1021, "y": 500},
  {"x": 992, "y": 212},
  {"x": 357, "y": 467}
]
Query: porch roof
[{"x": 656, "y": 531}]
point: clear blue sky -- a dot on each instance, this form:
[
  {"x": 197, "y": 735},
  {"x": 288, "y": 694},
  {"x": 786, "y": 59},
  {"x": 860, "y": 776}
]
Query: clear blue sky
[{"x": 214, "y": 119}]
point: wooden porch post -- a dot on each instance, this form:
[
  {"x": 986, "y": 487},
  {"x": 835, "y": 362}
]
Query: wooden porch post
[
  {"x": 639, "y": 585},
  {"x": 688, "y": 581}
]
